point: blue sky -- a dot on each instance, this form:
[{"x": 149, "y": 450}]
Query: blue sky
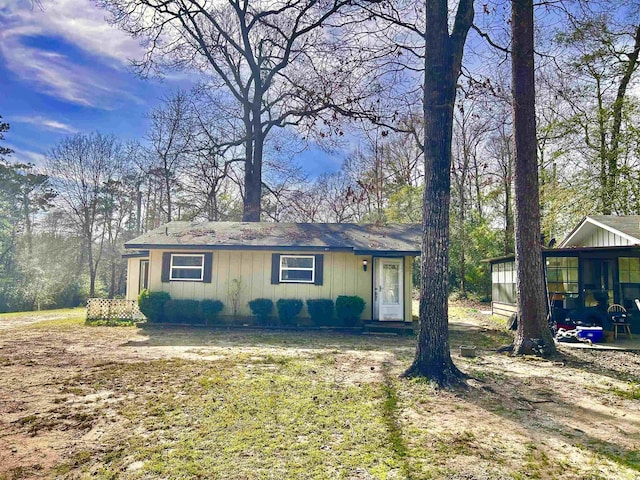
[{"x": 64, "y": 69}]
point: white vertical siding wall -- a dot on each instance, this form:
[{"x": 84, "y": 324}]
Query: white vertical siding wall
[
  {"x": 605, "y": 238},
  {"x": 408, "y": 289}
]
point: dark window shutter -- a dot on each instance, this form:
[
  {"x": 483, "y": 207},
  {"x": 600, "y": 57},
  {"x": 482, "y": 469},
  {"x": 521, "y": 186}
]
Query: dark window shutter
[
  {"x": 208, "y": 264},
  {"x": 319, "y": 270},
  {"x": 275, "y": 269},
  {"x": 166, "y": 267}
]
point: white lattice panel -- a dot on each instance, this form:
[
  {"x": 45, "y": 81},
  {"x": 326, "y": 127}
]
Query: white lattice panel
[{"x": 113, "y": 308}]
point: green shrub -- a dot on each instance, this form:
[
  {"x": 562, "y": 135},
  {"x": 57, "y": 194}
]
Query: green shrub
[
  {"x": 151, "y": 305},
  {"x": 182, "y": 311},
  {"x": 209, "y": 310},
  {"x": 171, "y": 311},
  {"x": 349, "y": 309},
  {"x": 321, "y": 311},
  {"x": 288, "y": 310},
  {"x": 261, "y": 308}
]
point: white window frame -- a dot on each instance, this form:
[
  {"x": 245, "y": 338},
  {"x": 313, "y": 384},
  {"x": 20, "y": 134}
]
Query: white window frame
[
  {"x": 189, "y": 267},
  {"x": 312, "y": 269}
]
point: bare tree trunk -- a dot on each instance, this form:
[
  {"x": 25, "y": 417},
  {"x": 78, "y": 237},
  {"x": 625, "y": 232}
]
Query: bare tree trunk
[
  {"x": 138, "y": 210},
  {"x": 112, "y": 282},
  {"x": 252, "y": 165},
  {"x": 443, "y": 58},
  {"x": 253, "y": 189},
  {"x": 167, "y": 186},
  {"x": 463, "y": 259},
  {"x": 605, "y": 197},
  {"x": 508, "y": 214},
  {"x": 92, "y": 269},
  {"x": 533, "y": 335},
  {"x": 614, "y": 154}
]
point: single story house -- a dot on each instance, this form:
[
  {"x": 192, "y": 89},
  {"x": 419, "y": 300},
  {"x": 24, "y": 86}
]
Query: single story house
[
  {"x": 596, "y": 265},
  {"x": 244, "y": 261}
]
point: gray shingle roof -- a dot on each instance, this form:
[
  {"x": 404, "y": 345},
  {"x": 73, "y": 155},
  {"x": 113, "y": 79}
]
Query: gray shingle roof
[
  {"x": 404, "y": 238},
  {"x": 627, "y": 224}
]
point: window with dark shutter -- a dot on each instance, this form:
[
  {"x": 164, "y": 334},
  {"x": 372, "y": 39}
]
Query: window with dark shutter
[
  {"x": 297, "y": 269},
  {"x": 275, "y": 269},
  {"x": 208, "y": 267},
  {"x": 319, "y": 270},
  {"x": 187, "y": 267}
]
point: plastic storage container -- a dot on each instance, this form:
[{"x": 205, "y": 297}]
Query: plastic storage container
[{"x": 592, "y": 333}]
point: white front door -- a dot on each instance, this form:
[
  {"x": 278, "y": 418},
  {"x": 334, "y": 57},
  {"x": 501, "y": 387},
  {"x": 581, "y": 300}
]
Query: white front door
[{"x": 388, "y": 289}]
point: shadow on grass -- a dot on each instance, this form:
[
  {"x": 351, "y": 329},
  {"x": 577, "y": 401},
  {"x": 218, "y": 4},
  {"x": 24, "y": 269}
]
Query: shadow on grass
[
  {"x": 592, "y": 361},
  {"x": 225, "y": 338},
  {"x": 390, "y": 413},
  {"x": 483, "y": 338},
  {"x": 514, "y": 400},
  {"x": 165, "y": 335}
]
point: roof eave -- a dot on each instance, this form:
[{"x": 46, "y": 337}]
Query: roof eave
[
  {"x": 191, "y": 246},
  {"x": 287, "y": 248},
  {"x": 566, "y": 250},
  {"x": 388, "y": 253},
  {"x": 138, "y": 254},
  {"x": 589, "y": 220},
  {"x": 573, "y": 233},
  {"x": 620, "y": 233}
]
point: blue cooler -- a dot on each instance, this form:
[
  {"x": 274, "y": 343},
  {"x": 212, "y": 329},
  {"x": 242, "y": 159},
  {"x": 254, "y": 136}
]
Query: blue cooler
[{"x": 592, "y": 333}]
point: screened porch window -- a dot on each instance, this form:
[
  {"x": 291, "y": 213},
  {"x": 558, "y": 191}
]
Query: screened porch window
[
  {"x": 297, "y": 268},
  {"x": 562, "y": 281},
  {"x": 629, "y": 270},
  {"x": 562, "y": 274},
  {"x": 503, "y": 279},
  {"x": 629, "y": 278},
  {"x": 186, "y": 267}
]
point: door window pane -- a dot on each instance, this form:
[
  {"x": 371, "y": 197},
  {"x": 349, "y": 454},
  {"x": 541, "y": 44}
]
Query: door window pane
[{"x": 391, "y": 284}]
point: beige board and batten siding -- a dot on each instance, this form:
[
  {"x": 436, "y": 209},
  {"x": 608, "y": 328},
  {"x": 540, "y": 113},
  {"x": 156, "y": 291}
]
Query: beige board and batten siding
[
  {"x": 133, "y": 278},
  {"x": 343, "y": 275}
]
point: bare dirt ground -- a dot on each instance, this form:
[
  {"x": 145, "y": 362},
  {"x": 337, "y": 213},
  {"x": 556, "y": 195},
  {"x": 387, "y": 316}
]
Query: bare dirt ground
[{"x": 62, "y": 399}]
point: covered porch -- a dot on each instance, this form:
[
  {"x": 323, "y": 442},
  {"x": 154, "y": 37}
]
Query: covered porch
[{"x": 582, "y": 283}]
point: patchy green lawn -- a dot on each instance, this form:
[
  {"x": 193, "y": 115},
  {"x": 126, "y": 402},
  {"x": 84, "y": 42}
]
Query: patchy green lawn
[
  {"x": 83, "y": 401},
  {"x": 20, "y": 319}
]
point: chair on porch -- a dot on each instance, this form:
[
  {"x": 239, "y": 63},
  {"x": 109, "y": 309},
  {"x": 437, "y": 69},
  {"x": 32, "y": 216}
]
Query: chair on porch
[{"x": 619, "y": 320}]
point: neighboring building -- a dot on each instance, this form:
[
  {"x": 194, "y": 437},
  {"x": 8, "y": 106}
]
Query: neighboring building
[
  {"x": 596, "y": 265},
  {"x": 278, "y": 260}
]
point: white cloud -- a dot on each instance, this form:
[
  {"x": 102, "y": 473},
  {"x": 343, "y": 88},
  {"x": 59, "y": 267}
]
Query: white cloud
[
  {"x": 27, "y": 156},
  {"x": 78, "y": 23},
  {"x": 46, "y": 124},
  {"x": 58, "y": 75}
]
